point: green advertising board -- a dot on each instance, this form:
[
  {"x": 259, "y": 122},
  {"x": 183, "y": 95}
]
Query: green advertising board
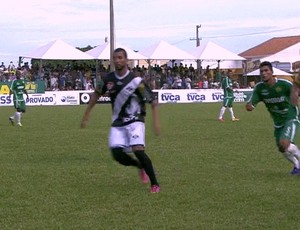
[{"x": 31, "y": 87}]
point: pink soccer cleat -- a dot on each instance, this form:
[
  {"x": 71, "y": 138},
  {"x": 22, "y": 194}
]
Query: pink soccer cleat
[
  {"x": 144, "y": 177},
  {"x": 155, "y": 188}
]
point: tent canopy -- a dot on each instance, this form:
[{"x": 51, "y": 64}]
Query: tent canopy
[
  {"x": 290, "y": 54},
  {"x": 276, "y": 72},
  {"x": 58, "y": 50},
  {"x": 165, "y": 51},
  {"x": 214, "y": 52},
  {"x": 212, "y": 64},
  {"x": 102, "y": 52}
]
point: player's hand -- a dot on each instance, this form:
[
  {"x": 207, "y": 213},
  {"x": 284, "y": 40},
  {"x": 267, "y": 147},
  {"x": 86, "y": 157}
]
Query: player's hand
[
  {"x": 294, "y": 99},
  {"x": 295, "y": 95},
  {"x": 157, "y": 129},
  {"x": 249, "y": 107},
  {"x": 84, "y": 121}
]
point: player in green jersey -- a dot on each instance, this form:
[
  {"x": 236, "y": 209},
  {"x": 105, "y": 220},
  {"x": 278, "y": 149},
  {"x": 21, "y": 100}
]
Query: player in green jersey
[
  {"x": 276, "y": 93},
  {"x": 228, "y": 97},
  {"x": 18, "y": 89}
]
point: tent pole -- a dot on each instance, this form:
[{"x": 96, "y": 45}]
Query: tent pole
[
  {"x": 112, "y": 35},
  {"x": 40, "y": 67}
]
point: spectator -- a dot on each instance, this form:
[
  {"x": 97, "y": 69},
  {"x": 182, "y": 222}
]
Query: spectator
[
  {"x": 179, "y": 82},
  {"x": 205, "y": 83},
  {"x": 188, "y": 83}
]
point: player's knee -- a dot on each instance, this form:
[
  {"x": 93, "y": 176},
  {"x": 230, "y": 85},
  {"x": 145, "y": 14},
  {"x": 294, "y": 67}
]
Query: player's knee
[
  {"x": 142, "y": 156},
  {"x": 121, "y": 157},
  {"x": 283, "y": 145},
  {"x": 117, "y": 154},
  {"x": 138, "y": 148}
]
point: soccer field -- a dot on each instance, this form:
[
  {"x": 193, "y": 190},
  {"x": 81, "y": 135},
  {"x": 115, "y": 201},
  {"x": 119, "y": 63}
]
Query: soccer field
[{"x": 213, "y": 175}]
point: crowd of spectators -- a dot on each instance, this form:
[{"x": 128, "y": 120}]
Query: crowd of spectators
[
  {"x": 74, "y": 76},
  {"x": 182, "y": 77},
  {"x": 58, "y": 77}
]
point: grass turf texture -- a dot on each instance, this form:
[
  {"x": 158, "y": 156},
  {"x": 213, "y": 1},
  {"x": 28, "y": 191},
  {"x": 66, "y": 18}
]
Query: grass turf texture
[{"x": 213, "y": 175}]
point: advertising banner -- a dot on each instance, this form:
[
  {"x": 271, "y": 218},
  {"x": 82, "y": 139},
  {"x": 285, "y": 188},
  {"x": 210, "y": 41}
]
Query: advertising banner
[
  {"x": 67, "y": 97},
  {"x": 31, "y": 87},
  {"x": 48, "y": 98},
  {"x": 85, "y": 98},
  {"x": 199, "y": 95},
  {"x": 164, "y": 96},
  {"x": 33, "y": 99}
]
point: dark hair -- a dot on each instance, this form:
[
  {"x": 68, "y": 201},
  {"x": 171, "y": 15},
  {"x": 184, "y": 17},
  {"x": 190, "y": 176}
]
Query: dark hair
[
  {"x": 121, "y": 50},
  {"x": 18, "y": 73},
  {"x": 266, "y": 63}
]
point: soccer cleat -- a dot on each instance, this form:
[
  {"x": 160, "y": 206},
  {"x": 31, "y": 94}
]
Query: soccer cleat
[
  {"x": 144, "y": 177},
  {"x": 19, "y": 124},
  {"x": 235, "y": 119},
  {"x": 221, "y": 120},
  {"x": 295, "y": 171},
  {"x": 11, "y": 121},
  {"x": 155, "y": 188}
]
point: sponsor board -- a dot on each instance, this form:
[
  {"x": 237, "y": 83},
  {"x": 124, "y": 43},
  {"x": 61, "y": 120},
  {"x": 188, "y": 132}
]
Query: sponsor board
[
  {"x": 217, "y": 96},
  {"x": 41, "y": 99},
  {"x": 170, "y": 97},
  {"x": 47, "y": 98},
  {"x": 200, "y": 95},
  {"x": 32, "y": 100},
  {"x": 242, "y": 96},
  {"x": 164, "y": 96},
  {"x": 86, "y": 97},
  {"x": 195, "y": 97},
  {"x": 6, "y": 100},
  {"x": 67, "y": 98}
]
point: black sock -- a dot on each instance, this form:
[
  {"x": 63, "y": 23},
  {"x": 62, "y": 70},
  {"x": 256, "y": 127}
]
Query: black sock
[
  {"x": 120, "y": 156},
  {"x": 146, "y": 165}
]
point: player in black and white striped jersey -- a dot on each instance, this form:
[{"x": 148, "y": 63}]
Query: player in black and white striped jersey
[{"x": 129, "y": 95}]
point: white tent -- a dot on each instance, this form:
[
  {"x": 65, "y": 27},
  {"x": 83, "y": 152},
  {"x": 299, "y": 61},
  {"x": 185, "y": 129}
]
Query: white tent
[
  {"x": 214, "y": 52},
  {"x": 290, "y": 54},
  {"x": 165, "y": 51},
  {"x": 214, "y": 64},
  {"x": 58, "y": 50},
  {"x": 276, "y": 72},
  {"x": 102, "y": 52}
]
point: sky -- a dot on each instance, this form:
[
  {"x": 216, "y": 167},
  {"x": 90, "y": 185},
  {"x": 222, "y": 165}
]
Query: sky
[{"x": 236, "y": 25}]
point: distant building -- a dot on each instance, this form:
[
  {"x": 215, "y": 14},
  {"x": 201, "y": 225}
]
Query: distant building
[{"x": 286, "y": 49}]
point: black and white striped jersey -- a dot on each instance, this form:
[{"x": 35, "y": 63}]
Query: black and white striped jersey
[{"x": 129, "y": 95}]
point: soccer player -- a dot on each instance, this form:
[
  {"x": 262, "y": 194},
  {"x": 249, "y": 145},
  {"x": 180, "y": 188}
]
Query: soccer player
[
  {"x": 228, "y": 97},
  {"x": 18, "y": 90},
  {"x": 276, "y": 93},
  {"x": 129, "y": 95}
]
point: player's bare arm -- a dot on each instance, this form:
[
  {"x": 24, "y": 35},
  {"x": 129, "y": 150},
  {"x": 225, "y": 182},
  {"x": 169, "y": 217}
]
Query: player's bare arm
[
  {"x": 26, "y": 94},
  {"x": 92, "y": 102},
  {"x": 154, "y": 105},
  {"x": 295, "y": 94}
]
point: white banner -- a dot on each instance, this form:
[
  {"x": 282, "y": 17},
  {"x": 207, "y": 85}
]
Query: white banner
[
  {"x": 164, "y": 96},
  {"x": 67, "y": 97},
  {"x": 199, "y": 95},
  {"x": 47, "y": 98}
]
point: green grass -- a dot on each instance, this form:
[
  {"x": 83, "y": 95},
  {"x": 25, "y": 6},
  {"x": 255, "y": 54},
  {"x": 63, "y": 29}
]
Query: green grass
[{"x": 213, "y": 175}]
